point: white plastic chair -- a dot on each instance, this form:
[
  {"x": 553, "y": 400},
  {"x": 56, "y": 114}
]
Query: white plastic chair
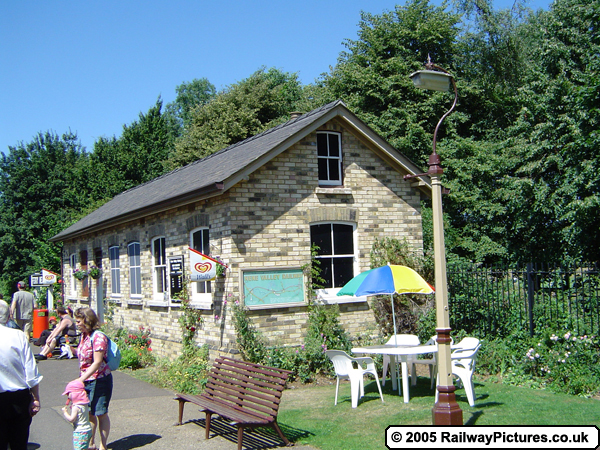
[
  {"x": 345, "y": 369},
  {"x": 464, "y": 356},
  {"x": 431, "y": 362},
  {"x": 401, "y": 340}
]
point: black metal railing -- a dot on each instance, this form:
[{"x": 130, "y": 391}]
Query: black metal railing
[{"x": 500, "y": 301}]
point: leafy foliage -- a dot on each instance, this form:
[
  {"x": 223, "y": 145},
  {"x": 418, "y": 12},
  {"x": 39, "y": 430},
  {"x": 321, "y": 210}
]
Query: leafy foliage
[
  {"x": 242, "y": 110},
  {"x": 39, "y": 186},
  {"x": 135, "y": 157},
  {"x": 324, "y": 331},
  {"x": 188, "y": 373},
  {"x": 407, "y": 308},
  {"x": 372, "y": 75}
]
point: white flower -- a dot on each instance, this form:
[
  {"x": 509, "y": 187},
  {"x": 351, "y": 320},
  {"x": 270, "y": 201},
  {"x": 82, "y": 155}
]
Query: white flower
[{"x": 568, "y": 335}]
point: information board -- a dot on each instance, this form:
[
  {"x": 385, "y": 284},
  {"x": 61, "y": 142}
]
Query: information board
[
  {"x": 36, "y": 280},
  {"x": 267, "y": 288}
]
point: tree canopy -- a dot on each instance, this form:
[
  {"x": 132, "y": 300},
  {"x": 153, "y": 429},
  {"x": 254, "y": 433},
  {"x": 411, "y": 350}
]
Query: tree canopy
[
  {"x": 41, "y": 191},
  {"x": 240, "y": 111},
  {"x": 520, "y": 152}
]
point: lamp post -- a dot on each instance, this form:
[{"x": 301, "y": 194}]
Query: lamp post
[{"x": 446, "y": 411}]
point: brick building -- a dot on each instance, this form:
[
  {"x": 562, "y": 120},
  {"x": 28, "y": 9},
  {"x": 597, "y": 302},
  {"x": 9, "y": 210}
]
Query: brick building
[{"x": 322, "y": 178}]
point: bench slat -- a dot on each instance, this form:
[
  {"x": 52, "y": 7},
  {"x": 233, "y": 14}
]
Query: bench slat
[
  {"x": 275, "y": 391},
  {"x": 246, "y": 393}
]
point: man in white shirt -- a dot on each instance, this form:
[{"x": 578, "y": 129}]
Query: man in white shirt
[{"x": 19, "y": 385}]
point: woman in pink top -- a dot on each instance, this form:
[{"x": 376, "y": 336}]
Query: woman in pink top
[{"x": 94, "y": 372}]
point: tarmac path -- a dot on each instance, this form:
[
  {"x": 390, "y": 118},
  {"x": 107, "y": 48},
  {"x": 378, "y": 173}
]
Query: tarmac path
[{"x": 142, "y": 416}]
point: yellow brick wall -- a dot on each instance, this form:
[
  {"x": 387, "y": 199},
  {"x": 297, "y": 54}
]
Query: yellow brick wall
[{"x": 262, "y": 222}]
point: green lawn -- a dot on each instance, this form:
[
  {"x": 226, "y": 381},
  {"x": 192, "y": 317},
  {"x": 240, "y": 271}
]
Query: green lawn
[{"x": 308, "y": 416}]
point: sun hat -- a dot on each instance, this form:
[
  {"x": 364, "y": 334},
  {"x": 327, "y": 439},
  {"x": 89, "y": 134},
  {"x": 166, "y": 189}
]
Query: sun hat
[{"x": 77, "y": 391}]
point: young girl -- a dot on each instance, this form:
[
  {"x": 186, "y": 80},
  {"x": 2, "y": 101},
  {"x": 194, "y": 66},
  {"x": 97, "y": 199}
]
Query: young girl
[{"x": 79, "y": 415}]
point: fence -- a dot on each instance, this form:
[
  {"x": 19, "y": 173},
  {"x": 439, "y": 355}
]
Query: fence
[{"x": 500, "y": 301}]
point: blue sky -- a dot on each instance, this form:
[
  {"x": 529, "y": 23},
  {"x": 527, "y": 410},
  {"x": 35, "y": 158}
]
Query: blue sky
[{"x": 93, "y": 66}]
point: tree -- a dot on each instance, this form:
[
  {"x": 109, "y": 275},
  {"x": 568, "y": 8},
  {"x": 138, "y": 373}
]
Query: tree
[
  {"x": 240, "y": 111},
  {"x": 372, "y": 76},
  {"x": 189, "y": 96},
  {"x": 559, "y": 121},
  {"x": 41, "y": 191},
  {"x": 528, "y": 190},
  {"x": 136, "y": 157}
]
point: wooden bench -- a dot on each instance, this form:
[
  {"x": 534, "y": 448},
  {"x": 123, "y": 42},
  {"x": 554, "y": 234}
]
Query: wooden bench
[{"x": 248, "y": 394}]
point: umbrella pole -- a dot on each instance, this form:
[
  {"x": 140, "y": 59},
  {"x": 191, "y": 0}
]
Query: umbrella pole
[{"x": 394, "y": 319}]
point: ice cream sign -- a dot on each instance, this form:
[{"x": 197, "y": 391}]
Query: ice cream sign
[{"x": 202, "y": 267}]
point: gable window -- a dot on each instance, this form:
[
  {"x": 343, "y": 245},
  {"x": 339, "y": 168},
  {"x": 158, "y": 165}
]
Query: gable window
[
  {"x": 159, "y": 268},
  {"x": 201, "y": 290},
  {"x": 135, "y": 269},
  {"x": 336, "y": 254},
  {"x": 73, "y": 264},
  {"x": 329, "y": 157},
  {"x": 115, "y": 271}
]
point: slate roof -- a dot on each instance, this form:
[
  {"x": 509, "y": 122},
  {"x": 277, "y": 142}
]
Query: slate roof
[{"x": 206, "y": 177}]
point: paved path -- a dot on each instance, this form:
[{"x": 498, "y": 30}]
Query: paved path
[{"x": 142, "y": 416}]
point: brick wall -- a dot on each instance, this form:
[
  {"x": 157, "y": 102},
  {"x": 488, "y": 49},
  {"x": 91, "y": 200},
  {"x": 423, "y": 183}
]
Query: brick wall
[{"x": 262, "y": 222}]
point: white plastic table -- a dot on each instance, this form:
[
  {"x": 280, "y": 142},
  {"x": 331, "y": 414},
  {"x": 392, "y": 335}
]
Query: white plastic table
[{"x": 401, "y": 351}]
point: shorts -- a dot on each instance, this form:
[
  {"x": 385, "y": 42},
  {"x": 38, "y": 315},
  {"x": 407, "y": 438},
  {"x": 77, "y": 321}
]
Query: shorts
[
  {"x": 99, "y": 392},
  {"x": 81, "y": 439}
]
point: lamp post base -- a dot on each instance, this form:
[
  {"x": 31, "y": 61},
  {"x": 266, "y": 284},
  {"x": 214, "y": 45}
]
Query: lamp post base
[{"x": 446, "y": 411}]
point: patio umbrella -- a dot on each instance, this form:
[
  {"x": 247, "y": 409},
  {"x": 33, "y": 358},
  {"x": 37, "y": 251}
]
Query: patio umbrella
[{"x": 390, "y": 279}]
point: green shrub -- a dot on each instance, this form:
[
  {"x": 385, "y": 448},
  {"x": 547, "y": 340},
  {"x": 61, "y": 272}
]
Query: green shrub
[
  {"x": 567, "y": 363},
  {"x": 324, "y": 332},
  {"x": 249, "y": 341},
  {"x": 136, "y": 358},
  {"x": 136, "y": 352},
  {"x": 187, "y": 374}
]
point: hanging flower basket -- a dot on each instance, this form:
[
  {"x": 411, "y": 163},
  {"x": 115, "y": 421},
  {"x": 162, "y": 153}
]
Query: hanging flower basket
[
  {"x": 80, "y": 274},
  {"x": 94, "y": 272}
]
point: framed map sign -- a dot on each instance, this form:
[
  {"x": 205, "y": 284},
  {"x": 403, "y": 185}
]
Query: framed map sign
[{"x": 273, "y": 287}]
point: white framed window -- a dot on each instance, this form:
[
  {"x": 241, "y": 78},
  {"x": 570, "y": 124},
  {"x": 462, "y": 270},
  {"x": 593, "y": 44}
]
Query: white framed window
[
  {"x": 329, "y": 157},
  {"x": 135, "y": 270},
  {"x": 73, "y": 264},
  {"x": 115, "y": 271},
  {"x": 201, "y": 290},
  {"x": 337, "y": 256},
  {"x": 159, "y": 269}
]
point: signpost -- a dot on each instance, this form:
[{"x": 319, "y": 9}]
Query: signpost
[{"x": 44, "y": 278}]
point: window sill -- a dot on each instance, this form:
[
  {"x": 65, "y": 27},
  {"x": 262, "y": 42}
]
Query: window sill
[
  {"x": 159, "y": 303},
  {"x": 334, "y": 190},
  {"x": 203, "y": 306}
]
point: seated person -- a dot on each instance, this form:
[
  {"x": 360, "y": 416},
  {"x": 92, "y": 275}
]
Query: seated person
[
  {"x": 66, "y": 326},
  {"x": 41, "y": 341}
]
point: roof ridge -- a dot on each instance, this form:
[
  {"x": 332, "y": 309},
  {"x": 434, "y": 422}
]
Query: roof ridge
[{"x": 304, "y": 116}]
